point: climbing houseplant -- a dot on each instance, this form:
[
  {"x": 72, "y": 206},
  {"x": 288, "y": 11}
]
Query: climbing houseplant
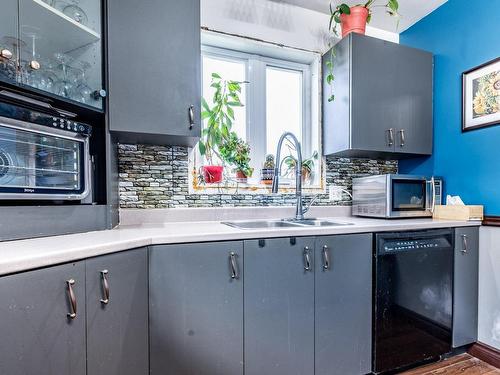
[
  {"x": 353, "y": 19},
  {"x": 219, "y": 116},
  {"x": 236, "y": 152}
]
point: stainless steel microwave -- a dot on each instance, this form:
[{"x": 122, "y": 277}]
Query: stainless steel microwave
[
  {"x": 43, "y": 157},
  {"x": 396, "y": 196}
]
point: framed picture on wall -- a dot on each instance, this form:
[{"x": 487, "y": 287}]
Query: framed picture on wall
[{"x": 481, "y": 96}]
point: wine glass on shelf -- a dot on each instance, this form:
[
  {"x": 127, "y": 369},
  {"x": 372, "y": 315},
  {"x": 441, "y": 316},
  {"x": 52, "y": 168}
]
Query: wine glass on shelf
[
  {"x": 83, "y": 92},
  {"x": 10, "y": 48},
  {"x": 65, "y": 85},
  {"x": 31, "y": 66},
  {"x": 75, "y": 12}
]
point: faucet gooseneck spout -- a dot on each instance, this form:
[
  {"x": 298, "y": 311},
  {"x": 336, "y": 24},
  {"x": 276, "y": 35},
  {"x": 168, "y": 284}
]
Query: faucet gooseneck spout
[{"x": 299, "y": 210}]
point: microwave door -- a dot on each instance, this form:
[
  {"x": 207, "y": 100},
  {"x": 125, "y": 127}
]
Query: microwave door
[
  {"x": 409, "y": 197},
  {"x": 35, "y": 164}
]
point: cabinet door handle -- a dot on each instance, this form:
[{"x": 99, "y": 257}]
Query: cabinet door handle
[
  {"x": 307, "y": 259},
  {"x": 390, "y": 133},
  {"x": 233, "y": 262},
  {"x": 6, "y": 54},
  {"x": 465, "y": 247},
  {"x": 326, "y": 258},
  {"x": 105, "y": 287},
  {"x": 191, "y": 117},
  {"x": 72, "y": 298},
  {"x": 402, "y": 137}
]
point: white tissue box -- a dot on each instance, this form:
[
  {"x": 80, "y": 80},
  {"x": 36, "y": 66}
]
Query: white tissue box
[{"x": 462, "y": 213}]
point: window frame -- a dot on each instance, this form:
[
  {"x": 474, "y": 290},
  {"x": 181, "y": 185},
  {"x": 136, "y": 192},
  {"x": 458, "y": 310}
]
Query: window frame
[{"x": 256, "y": 101}]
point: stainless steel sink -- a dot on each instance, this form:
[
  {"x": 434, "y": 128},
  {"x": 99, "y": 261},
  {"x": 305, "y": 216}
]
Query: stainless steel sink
[
  {"x": 259, "y": 224},
  {"x": 273, "y": 224},
  {"x": 320, "y": 223}
]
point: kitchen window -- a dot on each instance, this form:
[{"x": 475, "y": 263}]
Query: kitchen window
[{"x": 279, "y": 94}]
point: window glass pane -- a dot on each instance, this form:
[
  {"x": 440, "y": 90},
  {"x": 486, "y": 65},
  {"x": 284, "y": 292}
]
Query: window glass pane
[
  {"x": 283, "y": 105},
  {"x": 231, "y": 70}
]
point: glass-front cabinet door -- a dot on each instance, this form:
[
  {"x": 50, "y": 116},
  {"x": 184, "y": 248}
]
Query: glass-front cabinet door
[{"x": 56, "y": 47}]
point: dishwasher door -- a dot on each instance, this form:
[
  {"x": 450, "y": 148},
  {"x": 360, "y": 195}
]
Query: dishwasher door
[{"x": 413, "y": 298}]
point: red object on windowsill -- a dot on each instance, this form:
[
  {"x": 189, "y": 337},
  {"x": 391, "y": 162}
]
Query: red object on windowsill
[
  {"x": 212, "y": 173},
  {"x": 354, "y": 22}
]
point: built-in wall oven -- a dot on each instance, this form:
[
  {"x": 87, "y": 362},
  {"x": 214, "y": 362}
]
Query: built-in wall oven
[
  {"x": 396, "y": 196},
  {"x": 43, "y": 157}
]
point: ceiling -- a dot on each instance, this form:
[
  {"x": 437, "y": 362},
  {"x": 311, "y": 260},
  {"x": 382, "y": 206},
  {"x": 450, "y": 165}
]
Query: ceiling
[{"x": 411, "y": 11}]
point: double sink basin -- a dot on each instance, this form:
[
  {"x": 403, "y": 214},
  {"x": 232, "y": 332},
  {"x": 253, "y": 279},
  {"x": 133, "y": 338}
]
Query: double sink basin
[{"x": 285, "y": 223}]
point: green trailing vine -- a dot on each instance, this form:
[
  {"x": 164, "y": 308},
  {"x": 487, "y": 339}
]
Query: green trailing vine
[{"x": 392, "y": 7}]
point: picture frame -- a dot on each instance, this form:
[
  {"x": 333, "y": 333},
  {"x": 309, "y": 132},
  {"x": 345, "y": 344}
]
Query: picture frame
[{"x": 481, "y": 96}]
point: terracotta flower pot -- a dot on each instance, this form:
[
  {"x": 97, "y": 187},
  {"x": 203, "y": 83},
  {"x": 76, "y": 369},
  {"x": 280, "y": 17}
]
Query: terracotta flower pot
[
  {"x": 212, "y": 173},
  {"x": 354, "y": 22},
  {"x": 241, "y": 177}
]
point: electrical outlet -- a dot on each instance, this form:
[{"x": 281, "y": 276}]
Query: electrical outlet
[{"x": 335, "y": 193}]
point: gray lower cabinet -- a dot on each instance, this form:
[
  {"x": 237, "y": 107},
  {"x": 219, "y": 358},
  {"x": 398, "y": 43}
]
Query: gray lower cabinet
[
  {"x": 343, "y": 304},
  {"x": 465, "y": 288},
  {"x": 117, "y": 314},
  {"x": 154, "y": 69},
  {"x": 196, "y": 309},
  {"x": 383, "y": 99},
  {"x": 279, "y": 306},
  {"x": 38, "y": 337}
]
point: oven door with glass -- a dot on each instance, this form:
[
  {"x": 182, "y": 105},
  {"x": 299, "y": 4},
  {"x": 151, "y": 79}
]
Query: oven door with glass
[
  {"x": 41, "y": 163},
  {"x": 409, "y": 196}
]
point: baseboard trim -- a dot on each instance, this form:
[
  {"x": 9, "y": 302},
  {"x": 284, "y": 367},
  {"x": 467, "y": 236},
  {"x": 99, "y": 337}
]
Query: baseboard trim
[
  {"x": 486, "y": 353},
  {"x": 492, "y": 221}
]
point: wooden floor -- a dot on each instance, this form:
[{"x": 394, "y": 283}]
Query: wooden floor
[{"x": 463, "y": 364}]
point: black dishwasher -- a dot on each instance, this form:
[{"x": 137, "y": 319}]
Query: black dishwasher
[{"x": 412, "y": 298}]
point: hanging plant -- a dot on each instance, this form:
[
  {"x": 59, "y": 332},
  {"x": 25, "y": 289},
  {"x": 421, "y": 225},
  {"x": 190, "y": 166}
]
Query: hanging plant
[{"x": 353, "y": 19}]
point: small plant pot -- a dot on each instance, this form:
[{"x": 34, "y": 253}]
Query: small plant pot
[
  {"x": 354, "y": 22},
  {"x": 212, "y": 174},
  {"x": 241, "y": 177},
  {"x": 266, "y": 175}
]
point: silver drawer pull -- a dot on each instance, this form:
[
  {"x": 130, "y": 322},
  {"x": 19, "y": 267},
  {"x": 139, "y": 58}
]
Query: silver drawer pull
[
  {"x": 326, "y": 258},
  {"x": 72, "y": 298},
  {"x": 465, "y": 246},
  {"x": 233, "y": 261},
  {"x": 105, "y": 287},
  {"x": 403, "y": 138},
  {"x": 390, "y": 133},
  {"x": 307, "y": 259},
  {"x": 191, "y": 117}
]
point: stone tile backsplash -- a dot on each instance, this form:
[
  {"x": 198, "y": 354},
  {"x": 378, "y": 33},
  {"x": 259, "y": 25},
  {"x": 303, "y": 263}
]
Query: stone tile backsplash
[{"x": 158, "y": 177}]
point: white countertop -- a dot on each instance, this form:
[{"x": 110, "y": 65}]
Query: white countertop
[{"x": 16, "y": 256}]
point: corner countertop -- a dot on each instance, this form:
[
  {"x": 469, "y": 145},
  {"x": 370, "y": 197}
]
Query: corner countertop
[{"x": 17, "y": 256}]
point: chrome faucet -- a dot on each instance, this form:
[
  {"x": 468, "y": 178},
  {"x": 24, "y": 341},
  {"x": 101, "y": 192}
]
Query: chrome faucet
[{"x": 299, "y": 209}]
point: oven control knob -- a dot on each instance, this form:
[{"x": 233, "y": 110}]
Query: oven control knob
[{"x": 81, "y": 128}]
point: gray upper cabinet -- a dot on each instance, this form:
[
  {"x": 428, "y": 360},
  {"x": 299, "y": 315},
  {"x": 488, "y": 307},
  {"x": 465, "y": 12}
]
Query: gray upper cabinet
[
  {"x": 117, "y": 314},
  {"x": 154, "y": 60},
  {"x": 279, "y": 306},
  {"x": 196, "y": 309},
  {"x": 38, "y": 335},
  {"x": 383, "y": 99},
  {"x": 465, "y": 289},
  {"x": 343, "y": 304}
]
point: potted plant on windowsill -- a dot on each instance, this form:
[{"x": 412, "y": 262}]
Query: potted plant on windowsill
[
  {"x": 307, "y": 166},
  {"x": 355, "y": 18},
  {"x": 220, "y": 117},
  {"x": 236, "y": 151}
]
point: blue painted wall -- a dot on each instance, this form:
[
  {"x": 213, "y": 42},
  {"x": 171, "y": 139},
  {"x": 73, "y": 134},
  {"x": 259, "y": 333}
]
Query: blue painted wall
[{"x": 462, "y": 34}]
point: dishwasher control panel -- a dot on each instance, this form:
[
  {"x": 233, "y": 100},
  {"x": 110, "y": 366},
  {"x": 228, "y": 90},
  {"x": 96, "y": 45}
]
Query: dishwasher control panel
[{"x": 397, "y": 245}]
